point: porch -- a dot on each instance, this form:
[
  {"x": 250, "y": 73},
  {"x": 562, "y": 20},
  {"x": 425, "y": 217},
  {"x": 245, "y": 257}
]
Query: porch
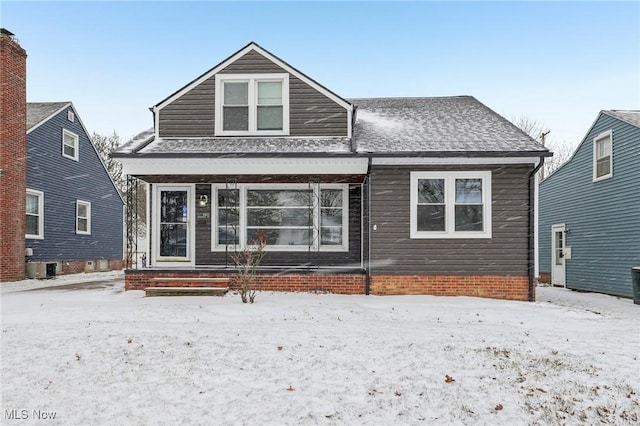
[{"x": 343, "y": 281}]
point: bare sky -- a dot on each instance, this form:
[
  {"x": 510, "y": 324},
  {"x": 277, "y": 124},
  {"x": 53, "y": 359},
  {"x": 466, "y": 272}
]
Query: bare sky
[{"x": 558, "y": 63}]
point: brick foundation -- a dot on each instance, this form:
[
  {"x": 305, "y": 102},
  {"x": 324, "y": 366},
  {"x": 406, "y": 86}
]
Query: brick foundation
[
  {"x": 493, "y": 286},
  {"x": 73, "y": 267},
  {"x": 326, "y": 283},
  {"x": 80, "y": 266},
  {"x": 545, "y": 277}
]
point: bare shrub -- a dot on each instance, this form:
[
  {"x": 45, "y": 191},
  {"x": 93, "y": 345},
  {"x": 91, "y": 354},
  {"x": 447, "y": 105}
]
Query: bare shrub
[{"x": 247, "y": 262}]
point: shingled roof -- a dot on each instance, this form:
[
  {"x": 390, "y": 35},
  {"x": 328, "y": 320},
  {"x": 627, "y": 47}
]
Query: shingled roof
[
  {"x": 444, "y": 124},
  {"x": 457, "y": 125},
  {"x": 37, "y": 112},
  {"x": 628, "y": 116}
]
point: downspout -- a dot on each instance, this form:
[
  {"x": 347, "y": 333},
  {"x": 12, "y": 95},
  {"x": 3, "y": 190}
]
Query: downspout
[
  {"x": 367, "y": 217},
  {"x": 530, "y": 228}
]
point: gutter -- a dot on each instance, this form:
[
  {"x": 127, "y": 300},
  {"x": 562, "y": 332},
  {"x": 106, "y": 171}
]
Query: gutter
[
  {"x": 367, "y": 218},
  {"x": 531, "y": 230},
  {"x": 344, "y": 154}
]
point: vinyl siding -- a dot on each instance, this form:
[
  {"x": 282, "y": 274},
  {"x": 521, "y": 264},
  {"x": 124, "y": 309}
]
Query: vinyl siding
[
  {"x": 350, "y": 259},
  {"x": 310, "y": 112},
  {"x": 603, "y": 218},
  {"x": 393, "y": 252},
  {"x": 64, "y": 181}
]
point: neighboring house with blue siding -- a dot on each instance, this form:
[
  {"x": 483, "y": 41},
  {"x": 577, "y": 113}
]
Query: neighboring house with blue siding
[
  {"x": 589, "y": 217},
  {"x": 74, "y": 213}
]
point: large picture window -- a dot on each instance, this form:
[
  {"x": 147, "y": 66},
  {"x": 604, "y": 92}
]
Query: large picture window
[
  {"x": 291, "y": 217},
  {"x": 285, "y": 217},
  {"x": 602, "y": 156},
  {"x": 252, "y": 104},
  {"x": 35, "y": 214},
  {"x": 450, "y": 204}
]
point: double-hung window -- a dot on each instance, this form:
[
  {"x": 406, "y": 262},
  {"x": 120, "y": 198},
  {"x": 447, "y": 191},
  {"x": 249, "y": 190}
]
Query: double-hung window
[
  {"x": 602, "y": 156},
  {"x": 69, "y": 145},
  {"x": 35, "y": 214},
  {"x": 252, "y": 104},
  {"x": 83, "y": 217},
  {"x": 450, "y": 204},
  {"x": 289, "y": 217}
]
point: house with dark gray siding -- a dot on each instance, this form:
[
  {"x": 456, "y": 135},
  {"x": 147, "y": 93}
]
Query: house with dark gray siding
[
  {"x": 74, "y": 213},
  {"x": 357, "y": 196},
  {"x": 589, "y": 223}
]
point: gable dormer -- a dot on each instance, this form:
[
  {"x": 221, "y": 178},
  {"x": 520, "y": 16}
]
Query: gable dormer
[{"x": 253, "y": 94}]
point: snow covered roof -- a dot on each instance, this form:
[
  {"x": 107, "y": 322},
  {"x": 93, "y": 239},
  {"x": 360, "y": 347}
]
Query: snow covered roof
[
  {"x": 457, "y": 125},
  {"x": 629, "y": 116},
  {"x": 37, "y": 112},
  {"x": 249, "y": 145},
  {"x": 442, "y": 124},
  {"x": 138, "y": 142}
]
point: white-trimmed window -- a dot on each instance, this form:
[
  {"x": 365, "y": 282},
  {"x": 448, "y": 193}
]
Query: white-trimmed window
[
  {"x": 252, "y": 104},
  {"x": 69, "y": 145},
  {"x": 83, "y": 217},
  {"x": 290, "y": 217},
  {"x": 603, "y": 156},
  {"x": 450, "y": 204},
  {"x": 35, "y": 214}
]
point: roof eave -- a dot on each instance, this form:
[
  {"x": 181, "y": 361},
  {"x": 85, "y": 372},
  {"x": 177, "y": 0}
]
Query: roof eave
[{"x": 426, "y": 154}]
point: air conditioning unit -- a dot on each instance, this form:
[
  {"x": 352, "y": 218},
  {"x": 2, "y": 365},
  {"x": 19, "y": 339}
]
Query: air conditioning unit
[
  {"x": 103, "y": 264},
  {"x": 36, "y": 270}
]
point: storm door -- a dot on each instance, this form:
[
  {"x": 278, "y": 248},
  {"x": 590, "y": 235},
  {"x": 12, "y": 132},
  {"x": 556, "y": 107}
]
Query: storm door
[
  {"x": 173, "y": 241},
  {"x": 558, "y": 258}
]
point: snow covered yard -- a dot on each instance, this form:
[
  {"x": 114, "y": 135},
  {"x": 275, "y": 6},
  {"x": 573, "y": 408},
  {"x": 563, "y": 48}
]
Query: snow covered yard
[{"x": 105, "y": 356}]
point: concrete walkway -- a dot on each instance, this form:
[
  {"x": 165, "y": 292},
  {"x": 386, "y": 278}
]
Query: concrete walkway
[{"x": 94, "y": 280}]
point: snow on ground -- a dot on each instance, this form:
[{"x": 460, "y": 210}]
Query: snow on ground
[{"x": 105, "y": 356}]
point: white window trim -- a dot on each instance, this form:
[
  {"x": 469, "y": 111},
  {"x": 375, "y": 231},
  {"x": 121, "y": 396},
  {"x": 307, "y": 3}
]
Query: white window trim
[
  {"x": 252, "y": 79},
  {"x": 601, "y": 136},
  {"x": 76, "y": 146},
  {"x": 88, "y": 205},
  {"x": 315, "y": 246},
  {"x": 40, "y": 195},
  {"x": 449, "y": 178}
]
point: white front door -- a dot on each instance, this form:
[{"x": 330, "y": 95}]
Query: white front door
[
  {"x": 557, "y": 255},
  {"x": 173, "y": 222}
]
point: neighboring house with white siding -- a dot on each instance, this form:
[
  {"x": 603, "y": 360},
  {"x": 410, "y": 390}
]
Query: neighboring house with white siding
[{"x": 589, "y": 218}]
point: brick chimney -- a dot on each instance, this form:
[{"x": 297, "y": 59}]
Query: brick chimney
[{"x": 13, "y": 154}]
